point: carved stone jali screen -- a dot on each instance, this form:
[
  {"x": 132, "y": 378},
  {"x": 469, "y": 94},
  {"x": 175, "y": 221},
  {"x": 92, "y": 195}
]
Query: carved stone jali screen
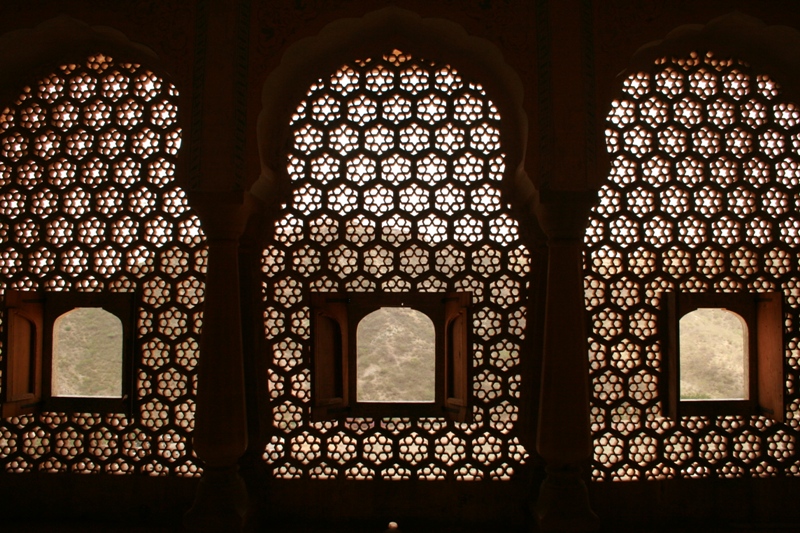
[
  {"x": 395, "y": 168},
  {"x": 703, "y": 196},
  {"x": 89, "y": 203}
]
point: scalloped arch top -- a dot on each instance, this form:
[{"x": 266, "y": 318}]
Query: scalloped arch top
[
  {"x": 345, "y": 39},
  {"x": 775, "y": 49}
]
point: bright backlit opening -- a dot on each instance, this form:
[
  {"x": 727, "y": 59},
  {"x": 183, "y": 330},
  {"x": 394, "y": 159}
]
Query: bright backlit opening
[
  {"x": 87, "y": 354},
  {"x": 396, "y": 359},
  {"x": 713, "y": 355}
]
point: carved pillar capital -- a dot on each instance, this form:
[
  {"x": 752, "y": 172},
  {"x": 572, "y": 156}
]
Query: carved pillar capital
[
  {"x": 562, "y": 215},
  {"x": 223, "y": 214}
]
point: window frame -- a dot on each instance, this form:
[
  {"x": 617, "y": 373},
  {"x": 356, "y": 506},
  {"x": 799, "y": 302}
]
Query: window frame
[
  {"x": 334, "y": 359},
  {"x": 43, "y": 309},
  {"x": 762, "y": 314},
  {"x": 22, "y": 355}
]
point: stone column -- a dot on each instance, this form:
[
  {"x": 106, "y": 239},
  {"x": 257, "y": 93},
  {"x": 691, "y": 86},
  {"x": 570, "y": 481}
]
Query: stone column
[
  {"x": 564, "y": 432},
  {"x": 220, "y": 433}
]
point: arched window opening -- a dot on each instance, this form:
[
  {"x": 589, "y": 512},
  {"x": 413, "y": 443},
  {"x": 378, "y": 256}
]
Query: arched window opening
[
  {"x": 91, "y": 210},
  {"x": 700, "y": 204},
  {"x": 396, "y": 356},
  {"x": 395, "y": 164},
  {"x": 87, "y": 354},
  {"x": 713, "y": 355}
]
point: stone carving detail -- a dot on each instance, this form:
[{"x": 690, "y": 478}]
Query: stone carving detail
[
  {"x": 88, "y": 202},
  {"x": 395, "y": 166},
  {"x": 702, "y": 196}
]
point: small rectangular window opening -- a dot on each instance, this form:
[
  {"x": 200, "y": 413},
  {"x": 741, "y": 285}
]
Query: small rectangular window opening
[
  {"x": 67, "y": 352},
  {"x": 714, "y": 355},
  {"x": 390, "y": 354},
  {"x": 87, "y": 354},
  {"x": 724, "y": 354},
  {"x": 396, "y": 356}
]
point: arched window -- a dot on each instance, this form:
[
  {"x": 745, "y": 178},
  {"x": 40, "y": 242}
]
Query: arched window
[
  {"x": 701, "y": 203},
  {"x": 89, "y": 209},
  {"x": 395, "y": 166}
]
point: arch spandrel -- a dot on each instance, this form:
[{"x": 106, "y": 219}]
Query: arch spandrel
[{"x": 344, "y": 40}]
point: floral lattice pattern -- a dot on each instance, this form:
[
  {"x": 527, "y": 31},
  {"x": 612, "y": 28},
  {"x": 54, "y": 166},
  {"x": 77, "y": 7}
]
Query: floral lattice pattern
[
  {"x": 395, "y": 166},
  {"x": 88, "y": 202},
  {"x": 702, "y": 196}
]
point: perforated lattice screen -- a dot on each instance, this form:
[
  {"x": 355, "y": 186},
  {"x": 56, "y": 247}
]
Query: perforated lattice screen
[
  {"x": 703, "y": 195},
  {"x": 395, "y": 166},
  {"x": 88, "y": 203}
]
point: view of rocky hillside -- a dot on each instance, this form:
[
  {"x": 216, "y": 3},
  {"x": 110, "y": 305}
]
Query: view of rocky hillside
[
  {"x": 87, "y": 354},
  {"x": 396, "y": 356},
  {"x": 712, "y": 355}
]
